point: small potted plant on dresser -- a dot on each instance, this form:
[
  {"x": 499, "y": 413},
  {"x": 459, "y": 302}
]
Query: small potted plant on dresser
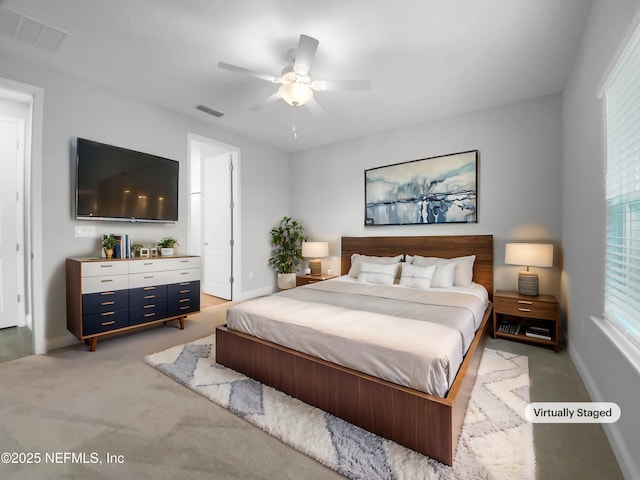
[
  {"x": 286, "y": 255},
  {"x": 167, "y": 245},
  {"x": 108, "y": 244}
]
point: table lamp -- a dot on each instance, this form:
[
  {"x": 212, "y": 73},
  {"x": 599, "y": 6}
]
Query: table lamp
[
  {"x": 529, "y": 255},
  {"x": 315, "y": 250}
]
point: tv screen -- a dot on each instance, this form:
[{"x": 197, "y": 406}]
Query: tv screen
[{"x": 114, "y": 183}]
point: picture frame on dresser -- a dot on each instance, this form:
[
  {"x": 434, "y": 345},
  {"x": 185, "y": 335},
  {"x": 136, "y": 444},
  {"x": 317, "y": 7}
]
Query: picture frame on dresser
[{"x": 106, "y": 297}]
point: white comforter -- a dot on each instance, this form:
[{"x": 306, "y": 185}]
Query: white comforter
[{"x": 410, "y": 337}]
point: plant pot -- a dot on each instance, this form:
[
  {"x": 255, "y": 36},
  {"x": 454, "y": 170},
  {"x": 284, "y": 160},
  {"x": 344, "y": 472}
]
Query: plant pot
[
  {"x": 166, "y": 252},
  {"x": 108, "y": 252},
  {"x": 286, "y": 280}
]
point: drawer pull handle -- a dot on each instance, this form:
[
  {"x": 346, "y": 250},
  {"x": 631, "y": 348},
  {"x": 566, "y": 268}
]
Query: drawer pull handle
[
  {"x": 184, "y": 261},
  {"x": 107, "y": 293},
  {"x": 184, "y": 273},
  {"x": 185, "y": 308},
  {"x": 149, "y": 288},
  {"x": 524, "y": 309},
  {"x": 104, "y": 324},
  {"x": 185, "y": 283},
  {"x": 149, "y": 314},
  {"x": 149, "y": 306},
  {"x": 184, "y": 300},
  {"x": 108, "y": 313},
  {"x": 148, "y": 263},
  {"x": 106, "y": 266},
  {"x": 107, "y": 303},
  {"x": 185, "y": 291},
  {"x": 149, "y": 276},
  {"x": 106, "y": 280},
  {"x": 525, "y": 302},
  {"x": 147, "y": 297}
]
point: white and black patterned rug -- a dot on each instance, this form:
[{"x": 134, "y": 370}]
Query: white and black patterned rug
[{"x": 496, "y": 440}]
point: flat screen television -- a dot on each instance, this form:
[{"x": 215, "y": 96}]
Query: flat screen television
[{"x": 114, "y": 183}]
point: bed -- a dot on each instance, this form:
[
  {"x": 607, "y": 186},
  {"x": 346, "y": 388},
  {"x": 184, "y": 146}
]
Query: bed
[{"x": 428, "y": 423}]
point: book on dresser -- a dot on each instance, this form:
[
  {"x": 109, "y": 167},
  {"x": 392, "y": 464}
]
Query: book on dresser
[{"x": 538, "y": 332}]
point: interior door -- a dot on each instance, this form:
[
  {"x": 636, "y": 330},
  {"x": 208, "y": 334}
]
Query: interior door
[
  {"x": 9, "y": 135},
  {"x": 216, "y": 175}
]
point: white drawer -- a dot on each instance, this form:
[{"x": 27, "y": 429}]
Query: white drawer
[
  {"x": 147, "y": 279},
  {"x": 105, "y": 283},
  {"x": 148, "y": 265},
  {"x": 96, "y": 269},
  {"x": 184, "y": 275},
  {"x": 182, "y": 263}
]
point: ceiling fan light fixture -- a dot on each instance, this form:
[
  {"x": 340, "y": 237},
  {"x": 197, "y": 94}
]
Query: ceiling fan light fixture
[{"x": 295, "y": 93}]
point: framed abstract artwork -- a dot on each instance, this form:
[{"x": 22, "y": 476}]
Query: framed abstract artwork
[{"x": 439, "y": 189}]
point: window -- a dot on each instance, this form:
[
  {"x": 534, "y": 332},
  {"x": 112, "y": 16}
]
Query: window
[{"x": 622, "y": 258}]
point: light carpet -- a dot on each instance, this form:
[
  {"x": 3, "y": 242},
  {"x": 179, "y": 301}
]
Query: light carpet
[{"x": 496, "y": 441}]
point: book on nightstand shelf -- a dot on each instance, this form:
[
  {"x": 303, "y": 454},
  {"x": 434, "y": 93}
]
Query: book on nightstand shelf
[
  {"x": 509, "y": 327},
  {"x": 538, "y": 332}
]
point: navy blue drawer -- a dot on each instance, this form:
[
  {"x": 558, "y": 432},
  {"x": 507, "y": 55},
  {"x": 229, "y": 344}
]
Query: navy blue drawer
[
  {"x": 183, "y": 306},
  {"x": 181, "y": 290},
  {"x": 147, "y": 295},
  {"x": 105, "y": 301},
  {"x": 147, "y": 313},
  {"x": 104, "y": 322}
]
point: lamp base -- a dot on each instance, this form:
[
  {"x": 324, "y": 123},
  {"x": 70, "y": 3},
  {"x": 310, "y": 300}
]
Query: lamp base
[
  {"x": 315, "y": 266},
  {"x": 528, "y": 284}
]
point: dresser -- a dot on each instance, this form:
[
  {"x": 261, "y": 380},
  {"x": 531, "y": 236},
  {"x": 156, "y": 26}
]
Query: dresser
[{"x": 112, "y": 296}]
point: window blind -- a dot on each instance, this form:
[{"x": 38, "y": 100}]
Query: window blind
[{"x": 622, "y": 256}]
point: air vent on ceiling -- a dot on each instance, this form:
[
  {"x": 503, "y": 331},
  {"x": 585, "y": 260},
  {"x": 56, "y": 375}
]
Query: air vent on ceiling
[
  {"x": 210, "y": 111},
  {"x": 30, "y": 31}
]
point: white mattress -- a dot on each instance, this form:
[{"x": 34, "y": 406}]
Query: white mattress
[{"x": 416, "y": 338}]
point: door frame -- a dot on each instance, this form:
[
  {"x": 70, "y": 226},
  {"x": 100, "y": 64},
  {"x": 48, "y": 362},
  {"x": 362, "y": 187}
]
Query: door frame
[
  {"x": 32, "y": 209},
  {"x": 218, "y": 147}
]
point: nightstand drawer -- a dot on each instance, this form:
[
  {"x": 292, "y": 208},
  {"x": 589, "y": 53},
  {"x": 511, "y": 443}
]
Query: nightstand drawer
[{"x": 526, "y": 308}]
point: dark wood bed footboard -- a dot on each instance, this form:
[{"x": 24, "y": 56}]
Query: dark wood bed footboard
[{"x": 425, "y": 423}]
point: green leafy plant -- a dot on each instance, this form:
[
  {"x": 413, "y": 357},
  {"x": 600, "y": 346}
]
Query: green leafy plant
[
  {"x": 135, "y": 249},
  {"x": 167, "y": 242},
  {"x": 286, "y": 240},
  {"x": 108, "y": 242}
]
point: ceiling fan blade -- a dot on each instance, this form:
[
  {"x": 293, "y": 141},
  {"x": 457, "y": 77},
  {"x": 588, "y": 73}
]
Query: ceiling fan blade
[
  {"x": 263, "y": 103},
  {"x": 361, "y": 85},
  {"x": 315, "y": 108},
  {"x": 246, "y": 71},
  {"x": 305, "y": 52}
]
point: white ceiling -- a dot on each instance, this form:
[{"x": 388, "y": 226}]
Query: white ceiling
[{"x": 426, "y": 59}]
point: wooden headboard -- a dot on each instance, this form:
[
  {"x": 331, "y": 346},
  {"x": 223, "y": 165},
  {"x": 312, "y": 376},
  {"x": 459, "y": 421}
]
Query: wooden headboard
[{"x": 427, "y": 246}]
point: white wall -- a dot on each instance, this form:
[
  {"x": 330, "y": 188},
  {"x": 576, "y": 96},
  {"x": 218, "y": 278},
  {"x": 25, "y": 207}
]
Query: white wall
[
  {"x": 606, "y": 372},
  {"x": 73, "y": 107},
  {"x": 519, "y": 191}
]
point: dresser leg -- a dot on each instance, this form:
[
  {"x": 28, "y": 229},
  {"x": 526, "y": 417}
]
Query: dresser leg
[
  {"x": 93, "y": 344},
  {"x": 182, "y": 323}
]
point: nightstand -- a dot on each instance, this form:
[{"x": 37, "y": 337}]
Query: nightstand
[
  {"x": 307, "y": 279},
  {"x": 517, "y": 317}
]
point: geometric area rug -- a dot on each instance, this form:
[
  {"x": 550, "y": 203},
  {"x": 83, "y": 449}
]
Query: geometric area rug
[{"x": 496, "y": 441}]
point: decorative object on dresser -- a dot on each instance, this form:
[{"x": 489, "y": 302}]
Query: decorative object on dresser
[
  {"x": 108, "y": 244},
  {"x": 167, "y": 245},
  {"x": 439, "y": 189},
  {"x": 529, "y": 255},
  {"x": 287, "y": 239},
  {"x": 525, "y": 318},
  {"x": 113, "y": 296},
  {"x": 315, "y": 250}
]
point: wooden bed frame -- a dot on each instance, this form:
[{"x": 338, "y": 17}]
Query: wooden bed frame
[{"x": 425, "y": 423}]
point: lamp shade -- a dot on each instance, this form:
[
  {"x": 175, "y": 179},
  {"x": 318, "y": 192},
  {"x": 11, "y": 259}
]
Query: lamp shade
[
  {"x": 529, "y": 254},
  {"x": 315, "y": 249}
]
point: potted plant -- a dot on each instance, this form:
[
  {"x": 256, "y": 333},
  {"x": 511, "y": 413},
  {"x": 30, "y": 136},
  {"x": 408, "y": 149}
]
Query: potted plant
[
  {"x": 135, "y": 249},
  {"x": 108, "y": 244},
  {"x": 166, "y": 245},
  {"x": 286, "y": 255}
]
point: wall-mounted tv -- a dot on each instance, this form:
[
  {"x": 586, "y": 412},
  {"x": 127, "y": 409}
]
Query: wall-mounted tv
[{"x": 114, "y": 183}]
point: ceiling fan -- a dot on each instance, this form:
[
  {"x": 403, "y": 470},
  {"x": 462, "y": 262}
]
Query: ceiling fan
[{"x": 296, "y": 86}]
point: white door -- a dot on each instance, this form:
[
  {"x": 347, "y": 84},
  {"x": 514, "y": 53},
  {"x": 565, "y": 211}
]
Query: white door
[
  {"x": 216, "y": 177},
  {"x": 9, "y": 135}
]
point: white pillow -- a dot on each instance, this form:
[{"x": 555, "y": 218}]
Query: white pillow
[
  {"x": 378, "y": 273},
  {"x": 356, "y": 259},
  {"x": 463, "y": 274},
  {"x": 444, "y": 275},
  {"x": 417, "y": 277}
]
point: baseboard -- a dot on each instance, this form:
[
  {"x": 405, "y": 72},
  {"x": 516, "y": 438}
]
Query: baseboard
[
  {"x": 60, "y": 342},
  {"x": 627, "y": 463}
]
